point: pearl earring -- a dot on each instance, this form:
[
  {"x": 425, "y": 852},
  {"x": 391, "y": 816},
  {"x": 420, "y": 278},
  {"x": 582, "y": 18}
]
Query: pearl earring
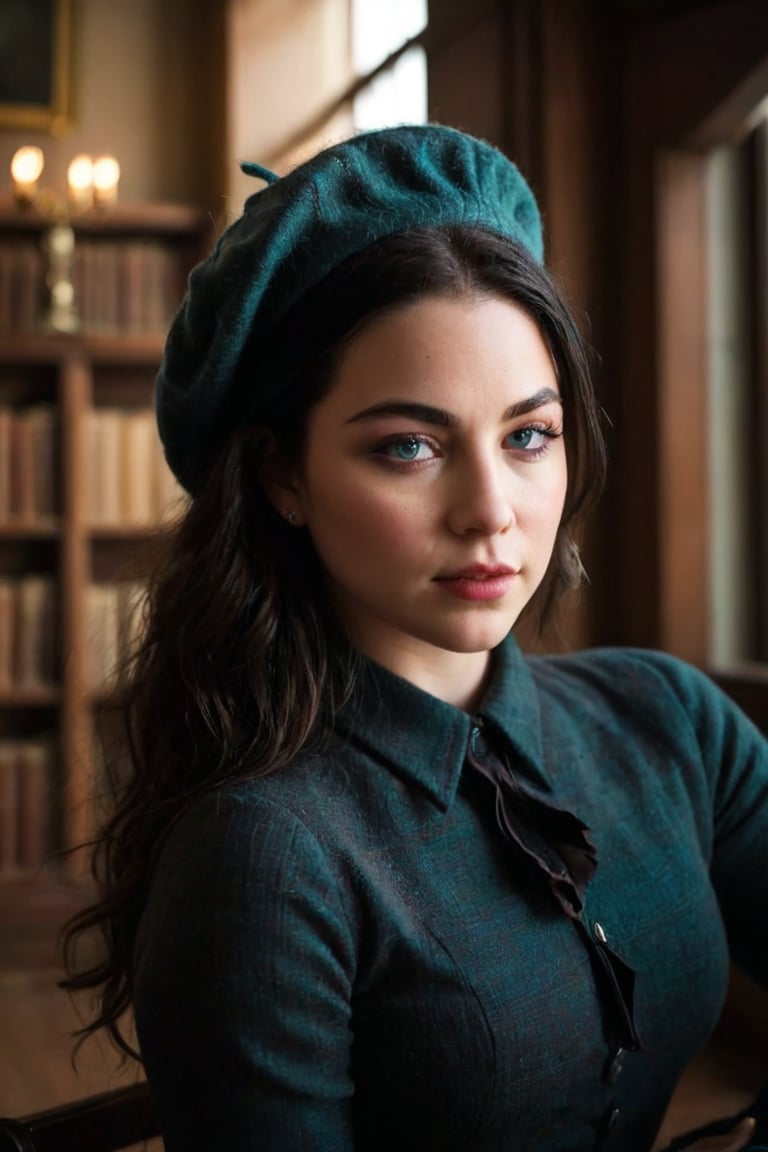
[{"x": 290, "y": 516}]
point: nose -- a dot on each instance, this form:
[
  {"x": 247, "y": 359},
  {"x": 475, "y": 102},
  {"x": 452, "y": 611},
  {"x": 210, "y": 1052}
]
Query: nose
[{"x": 482, "y": 497}]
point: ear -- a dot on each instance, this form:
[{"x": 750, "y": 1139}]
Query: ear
[{"x": 282, "y": 486}]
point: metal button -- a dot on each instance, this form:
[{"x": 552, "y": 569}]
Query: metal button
[
  {"x": 600, "y": 935},
  {"x": 608, "y": 1125},
  {"x": 616, "y": 1066},
  {"x": 476, "y": 742}
]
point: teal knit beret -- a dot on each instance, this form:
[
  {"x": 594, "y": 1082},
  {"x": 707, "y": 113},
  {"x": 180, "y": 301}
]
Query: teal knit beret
[{"x": 291, "y": 234}]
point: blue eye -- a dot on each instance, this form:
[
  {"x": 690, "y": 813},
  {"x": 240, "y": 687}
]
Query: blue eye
[
  {"x": 523, "y": 436},
  {"x": 531, "y": 441},
  {"x": 407, "y": 449}
]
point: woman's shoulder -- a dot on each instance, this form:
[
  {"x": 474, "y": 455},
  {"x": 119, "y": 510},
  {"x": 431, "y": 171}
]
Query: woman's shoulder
[
  {"x": 615, "y": 670},
  {"x": 287, "y": 797},
  {"x": 311, "y": 804},
  {"x": 260, "y": 832},
  {"x": 644, "y": 688}
]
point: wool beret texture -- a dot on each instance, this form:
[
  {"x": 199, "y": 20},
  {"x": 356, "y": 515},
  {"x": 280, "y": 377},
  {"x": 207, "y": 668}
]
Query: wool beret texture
[{"x": 292, "y": 234}]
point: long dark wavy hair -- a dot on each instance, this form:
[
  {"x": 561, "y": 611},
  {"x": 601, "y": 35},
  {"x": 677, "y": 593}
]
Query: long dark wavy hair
[{"x": 242, "y": 663}]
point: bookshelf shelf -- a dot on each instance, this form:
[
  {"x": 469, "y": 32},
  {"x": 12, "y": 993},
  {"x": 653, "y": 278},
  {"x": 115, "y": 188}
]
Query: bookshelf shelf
[
  {"x": 109, "y": 533},
  {"x": 41, "y": 530},
  {"x": 30, "y": 698},
  {"x": 83, "y": 491},
  {"x": 46, "y": 348},
  {"x": 142, "y": 218}
]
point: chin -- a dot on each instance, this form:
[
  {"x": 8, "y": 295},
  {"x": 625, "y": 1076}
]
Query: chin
[{"x": 477, "y": 640}]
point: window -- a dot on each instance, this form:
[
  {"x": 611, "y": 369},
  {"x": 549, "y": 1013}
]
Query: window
[
  {"x": 308, "y": 73},
  {"x": 738, "y": 399},
  {"x": 397, "y": 94}
]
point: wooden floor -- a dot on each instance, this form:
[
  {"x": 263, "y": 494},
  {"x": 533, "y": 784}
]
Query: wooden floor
[
  {"x": 37, "y": 1020},
  {"x": 36, "y": 1071}
]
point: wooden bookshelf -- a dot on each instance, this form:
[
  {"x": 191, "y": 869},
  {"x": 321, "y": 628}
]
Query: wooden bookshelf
[{"x": 61, "y": 545}]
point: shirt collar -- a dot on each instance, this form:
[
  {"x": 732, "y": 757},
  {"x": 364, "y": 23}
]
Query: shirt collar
[{"x": 425, "y": 740}]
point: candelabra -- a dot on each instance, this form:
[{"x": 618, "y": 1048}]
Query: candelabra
[{"x": 91, "y": 187}]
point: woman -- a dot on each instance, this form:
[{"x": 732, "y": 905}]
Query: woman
[{"x": 374, "y": 879}]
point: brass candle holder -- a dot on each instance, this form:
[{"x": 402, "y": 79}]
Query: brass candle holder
[{"x": 91, "y": 186}]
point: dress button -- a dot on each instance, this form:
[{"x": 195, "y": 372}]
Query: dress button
[
  {"x": 599, "y": 932},
  {"x": 476, "y": 742},
  {"x": 616, "y": 1066},
  {"x": 608, "y": 1125}
]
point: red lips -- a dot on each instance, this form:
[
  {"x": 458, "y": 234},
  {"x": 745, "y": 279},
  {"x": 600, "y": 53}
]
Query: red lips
[
  {"x": 479, "y": 581},
  {"x": 480, "y": 572}
]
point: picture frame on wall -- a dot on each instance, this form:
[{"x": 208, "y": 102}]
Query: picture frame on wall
[{"x": 35, "y": 65}]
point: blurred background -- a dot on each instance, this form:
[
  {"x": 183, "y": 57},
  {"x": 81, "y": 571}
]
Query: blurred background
[{"x": 642, "y": 126}]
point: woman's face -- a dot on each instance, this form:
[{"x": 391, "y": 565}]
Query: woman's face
[{"x": 433, "y": 483}]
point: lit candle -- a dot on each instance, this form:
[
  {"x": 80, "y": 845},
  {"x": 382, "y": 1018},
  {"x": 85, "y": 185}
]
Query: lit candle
[
  {"x": 26, "y": 166},
  {"x": 106, "y": 176},
  {"x": 80, "y": 183}
]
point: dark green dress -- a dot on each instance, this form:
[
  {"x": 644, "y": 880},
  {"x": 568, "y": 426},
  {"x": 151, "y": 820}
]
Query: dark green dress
[{"x": 352, "y": 954}]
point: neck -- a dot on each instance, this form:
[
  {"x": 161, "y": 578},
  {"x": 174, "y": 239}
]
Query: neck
[{"x": 457, "y": 678}]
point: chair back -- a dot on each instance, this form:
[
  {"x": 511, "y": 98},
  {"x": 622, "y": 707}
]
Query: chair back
[{"x": 103, "y": 1123}]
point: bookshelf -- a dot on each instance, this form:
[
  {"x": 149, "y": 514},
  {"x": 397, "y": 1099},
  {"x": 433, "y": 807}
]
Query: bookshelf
[{"x": 84, "y": 492}]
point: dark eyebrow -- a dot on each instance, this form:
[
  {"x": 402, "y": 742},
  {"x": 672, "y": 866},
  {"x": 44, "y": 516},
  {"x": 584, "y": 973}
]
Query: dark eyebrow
[
  {"x": 423, "y": 413},
  {"x": 426, "y": 414}
]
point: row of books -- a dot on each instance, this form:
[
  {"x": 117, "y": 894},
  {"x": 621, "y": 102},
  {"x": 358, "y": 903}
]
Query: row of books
[
  {"x": 113, "y": 628},
  {"x": 28, "y": 634},
  {"x": 29, "y": 630},
  {"x": 26, "y": 774},
  {"x": 128, "y": 286},
  {"x": 128, "y": 480},
  {"x": 28, "y": 463},
  {"x": 22, "y": 285}
]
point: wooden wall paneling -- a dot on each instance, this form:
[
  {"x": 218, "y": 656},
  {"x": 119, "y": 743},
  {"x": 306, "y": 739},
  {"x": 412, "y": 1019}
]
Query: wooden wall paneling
[
  {"x": 190, "y": 149},
  {"x": 759, "y": 382},
  {"x": 679, "y": 73},
  {"x": 465, "y": 67},
  {"x": 554, "y": 126},
  {"x": 681, "y": 321},
  {"x": 571, "y": 142},
  {"x": 748, "y": 686},
  {"x": 573, "y": 148},
  {"x": 76, "y": 735},
  {"x": 696, "y": 70},
  {"x": 520, "y": 42},
  {"x": 636, "y": 474}
]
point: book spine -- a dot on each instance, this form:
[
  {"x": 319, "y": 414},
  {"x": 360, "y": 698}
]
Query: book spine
[
  {"x": 170, "y": 497},
  {"x": 103, "y": 466},
  {"x": 130, "y": 610},
  {"x": 33, "y": 765},
  {"x": 103, "y": 636},
  {"x": 22, "y": 468},
  {"x": 130, "y": 295},
  {"x": 6, "y": 289},
  {"x": 35, "y": 640},
  {"x": 27, "y": 287},
  {"x": 6, "y": 470},
  {"x": 9, "y": 809},
  {"x": 139, "y": 445},
  {"x": 42, "y": 437},
  {"x": 7, "y": 635}
]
